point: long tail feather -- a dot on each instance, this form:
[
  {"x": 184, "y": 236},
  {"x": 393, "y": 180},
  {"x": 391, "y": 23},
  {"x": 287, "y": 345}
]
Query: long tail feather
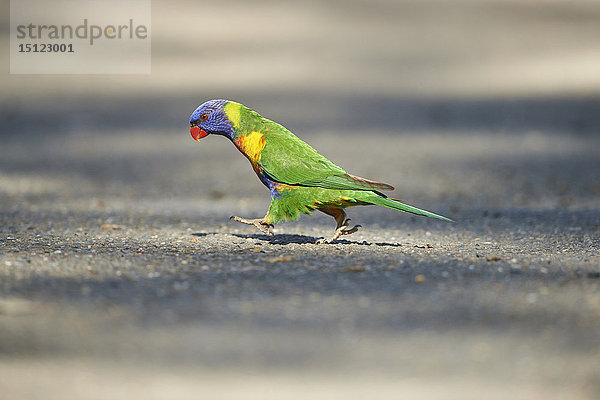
[{"x": 397, "y": 205}]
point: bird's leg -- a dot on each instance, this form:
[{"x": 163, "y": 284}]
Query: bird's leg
[
  {"x": 260, "y": 223},
  {"x": 342, "y": 223}
]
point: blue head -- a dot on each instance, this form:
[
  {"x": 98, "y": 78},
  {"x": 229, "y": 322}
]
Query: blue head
[{"x": 211, "y": 118}]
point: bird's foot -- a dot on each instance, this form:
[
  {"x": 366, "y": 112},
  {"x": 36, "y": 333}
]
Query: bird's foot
[
  {"x": 340, "y": 231},
  {"x": 260, "y": 223}
]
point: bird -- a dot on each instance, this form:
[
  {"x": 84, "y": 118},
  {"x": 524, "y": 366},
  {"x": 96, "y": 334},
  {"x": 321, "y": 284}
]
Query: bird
[{"x": 299, "y": 178}]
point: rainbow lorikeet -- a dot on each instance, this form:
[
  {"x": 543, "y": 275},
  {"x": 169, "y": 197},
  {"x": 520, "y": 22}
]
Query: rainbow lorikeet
[{"x": 300, "y": 179}]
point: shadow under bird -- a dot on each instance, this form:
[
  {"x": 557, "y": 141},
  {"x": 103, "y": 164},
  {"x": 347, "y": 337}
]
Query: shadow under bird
[{"x": 300, "y": 179}]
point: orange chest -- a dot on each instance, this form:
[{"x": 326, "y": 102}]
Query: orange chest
[{"x": 251, "y": 145}]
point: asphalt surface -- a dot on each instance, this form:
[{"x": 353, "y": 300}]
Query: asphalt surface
[
  {"x": 121, "y": 275},
  {"x": 118, "y": 261}
]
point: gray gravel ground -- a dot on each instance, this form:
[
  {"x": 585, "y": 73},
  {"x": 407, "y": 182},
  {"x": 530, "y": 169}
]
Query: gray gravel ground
[
  {"x": 122, "y": 277},
  {"x": 124, "y": 268}
]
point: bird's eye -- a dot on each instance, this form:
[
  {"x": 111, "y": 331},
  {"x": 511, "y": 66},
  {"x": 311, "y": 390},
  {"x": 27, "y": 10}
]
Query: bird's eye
[{"x": 203, "y": 117}]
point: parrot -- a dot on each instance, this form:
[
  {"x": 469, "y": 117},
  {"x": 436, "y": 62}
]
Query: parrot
[{"x": 299, "y": 178}]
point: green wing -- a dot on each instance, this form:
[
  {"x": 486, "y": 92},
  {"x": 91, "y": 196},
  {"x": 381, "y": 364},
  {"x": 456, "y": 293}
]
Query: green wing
[{"x": 287, "y": 159}]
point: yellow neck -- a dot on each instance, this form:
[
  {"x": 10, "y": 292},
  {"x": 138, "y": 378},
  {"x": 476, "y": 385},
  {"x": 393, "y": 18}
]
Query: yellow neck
[{"x": 251, "y": 145}]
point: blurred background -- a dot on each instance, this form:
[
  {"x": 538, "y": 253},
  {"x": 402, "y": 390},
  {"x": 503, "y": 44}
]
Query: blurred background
[
  {"x": 486, "y": 111},
  {"x": 522, "y": 74}
]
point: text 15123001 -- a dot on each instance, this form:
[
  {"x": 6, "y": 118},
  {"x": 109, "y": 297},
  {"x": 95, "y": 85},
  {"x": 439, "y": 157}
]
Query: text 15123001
[{"x": 46, "y": 48}]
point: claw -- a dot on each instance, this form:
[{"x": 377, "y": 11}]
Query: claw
[
  {"x": 260, "y": 223},
  {"x": 341, "y": 231},
  {"x": 342, "y": 224},
  {"x": 351, "y": 231}
]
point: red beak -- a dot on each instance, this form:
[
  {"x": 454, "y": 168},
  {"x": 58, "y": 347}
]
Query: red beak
[{"x": 197, "y": 133}]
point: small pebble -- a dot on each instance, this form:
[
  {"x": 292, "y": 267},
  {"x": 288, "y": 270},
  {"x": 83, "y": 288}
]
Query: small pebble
[
  {"x": 279, "y": 259},
  {"x": 354, "y": 268}
]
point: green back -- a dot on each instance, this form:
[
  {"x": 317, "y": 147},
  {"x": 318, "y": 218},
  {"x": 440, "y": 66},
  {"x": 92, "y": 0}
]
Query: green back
[{"x": 287, "y": 159}]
